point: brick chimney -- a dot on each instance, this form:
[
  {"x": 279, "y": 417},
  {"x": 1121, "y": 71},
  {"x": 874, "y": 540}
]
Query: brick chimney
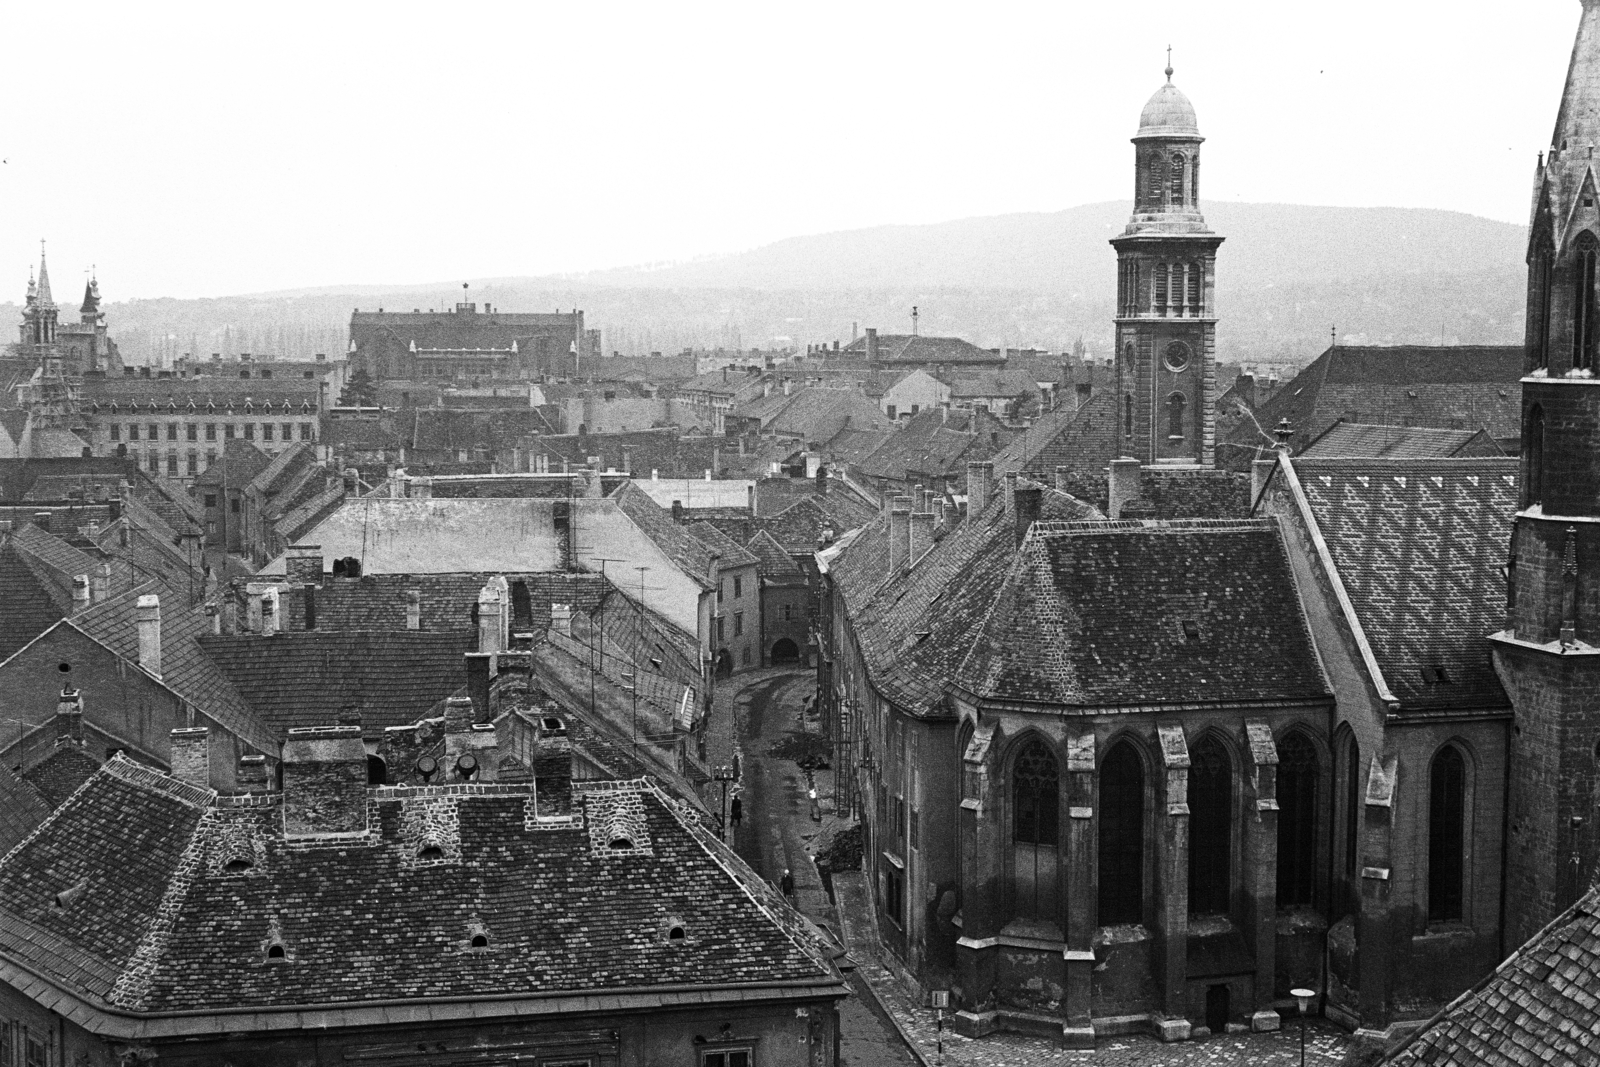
[
  {"x": 190, "y": 756},
  {"x": 872, "y": 343},
  {"x": 308, "y": 598},
  {"x": 980, "y": 477},
  {"x": 324, "y": 781},
  {"x": 471, "y": 749},
  {"x": 69, "y": 716},
  {"x": 494, "y": 603},
  {"x": 1123, "y": 486},
  {"x": 480, "y": 674},
  {"x": 269, "y": 612},
  {"x": 1009, "y": 484},
  {"x": 147, "y": 614},
  {"x": 80, "y": 592},
  {"x": 304, "y": 565},
  {"x": 1025, "y": 512},
  {"x": 251, "y": 775},
  {"x": 100, "y": 583},
  {"x": 899, "y": 533},
  {"x": 921, "y": 535},
  {"x": 413, "y": 610},
  {"x": 561, "y": 619}
]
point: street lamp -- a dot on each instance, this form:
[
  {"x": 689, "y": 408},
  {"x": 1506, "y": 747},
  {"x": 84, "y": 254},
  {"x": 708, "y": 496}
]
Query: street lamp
[{"x": 1303, "y": 996}]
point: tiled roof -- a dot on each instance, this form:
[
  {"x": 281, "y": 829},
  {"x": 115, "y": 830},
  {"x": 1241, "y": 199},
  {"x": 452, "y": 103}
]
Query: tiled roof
[
  {"x": 800, "y": 526},
  {"x": 688, "y": 554},
  {"x": 283, "y": 468},
  {"x": 438, "y": 429},
  {"x": 198, "y": 391},
  {"x": 1082, "y": 438},
  {"x": 1540, "y": 1006},
  {"x": 21, "y": 809},
  {"x": 58, "y": 775},
  {"x": 185, "y": 668},
  {"x": 1419, "y": 545},
  {"x": 30, "y": 601},
  {"x": 776, "y": 563},
  {"x": 360, "y": 435},
  {"x": 52, "y": 551},
  {"x": 1094, "y": 614},
  {"x": 729, "y": 552},
  {"x": 445, "y": 602},
  {"x": 308, "y": 678},
  {"x": 668, "y": 452},
  {"x": 906, "y": 348},
  {"x": 776, "y": 493},
  {"x": 820, "y": 414},
  {"x": 937, "y": 444},
  {"x": 853, "y": 446},
  {"x": 1349, "y": 439},
  {"x": 240, "y": 462},
  {"x": 1007, "y": 382},
  {"x": 309, "y": 512},
  {"x": 158, "y": 926}
]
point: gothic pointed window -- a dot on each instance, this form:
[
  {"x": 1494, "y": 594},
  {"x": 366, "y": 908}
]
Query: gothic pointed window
[
  {"x": 1447, "y": 788},
  {"x": 1533, "y": 456},
  {"x": 1175, "y": 410},
  {"x": 1540, "y": 283},
  {"x": 1121, "y": 814},
  {"x": 1352, "y": 805},
  {"x": 1035, "y": 830},
  {"x": 1210, "y": 828},
  {"x": 1584, "y": 325},
  {"x": 1297, "y": 820}
]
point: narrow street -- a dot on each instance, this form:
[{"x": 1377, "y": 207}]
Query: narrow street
[{"x": 773, "y": 836}]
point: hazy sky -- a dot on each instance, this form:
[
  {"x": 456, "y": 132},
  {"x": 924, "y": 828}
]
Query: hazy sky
[{"x": 194, "y": 151}]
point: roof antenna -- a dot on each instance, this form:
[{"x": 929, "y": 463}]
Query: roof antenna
[
  {"x": 1169, "y": 64},
  {"x": 913, "y": 320},
  {"x": 1334, "y": 332}
]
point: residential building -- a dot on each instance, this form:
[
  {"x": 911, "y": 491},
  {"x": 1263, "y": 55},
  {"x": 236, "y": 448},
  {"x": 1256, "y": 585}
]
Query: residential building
[
  {"x": 788, "y": 606},
  {"x": 891, "y": 350},
  {"x": 736, "y": 638},
  {"x": 464, "y": 344}
]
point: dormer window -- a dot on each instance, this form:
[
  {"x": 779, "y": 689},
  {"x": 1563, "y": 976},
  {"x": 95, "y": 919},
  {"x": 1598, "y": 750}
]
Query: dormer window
[
  {"x": 275, "y": 952},
  {"x": 1191, "y": 631},
  {"x": 238, "y": 865},
  {"x": 430, "y": 854},
  {"x": 620, "y": 843},
  {"x": 480, "y": 941},
  {"x": 1435, "y": 675}
]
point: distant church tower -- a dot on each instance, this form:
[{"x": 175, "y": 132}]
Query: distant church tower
[
  {"x": 1166, "y": 311},
  {"x": 1548, "y": 657}
]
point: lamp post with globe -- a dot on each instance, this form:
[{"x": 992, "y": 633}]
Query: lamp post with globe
[{"x": 1303, "y": 996}]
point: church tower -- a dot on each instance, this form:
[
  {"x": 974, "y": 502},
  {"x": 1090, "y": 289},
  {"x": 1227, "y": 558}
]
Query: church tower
[
  {"x": 39, "y": 311},
  {"x": 1548, "y": 656},
  {"x": 1166, "y": 313}
]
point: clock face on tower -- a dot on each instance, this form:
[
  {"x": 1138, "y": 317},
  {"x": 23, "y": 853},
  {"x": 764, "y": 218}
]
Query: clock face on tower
[{"x": 1177, "y": 356}]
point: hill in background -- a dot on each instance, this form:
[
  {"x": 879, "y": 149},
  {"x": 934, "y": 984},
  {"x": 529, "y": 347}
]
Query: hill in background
[{"x": 1287, "y": 274}]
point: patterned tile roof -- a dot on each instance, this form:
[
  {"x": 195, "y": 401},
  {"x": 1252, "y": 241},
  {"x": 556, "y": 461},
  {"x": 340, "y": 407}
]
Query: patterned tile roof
[
  {"x": 1419, "y": 545},
  {"x": 1097, "y": 614},
  {"x": 58, "y": 775},
  {"x": 776, "y": 563},
  {"x": 155, "y": 923},
  {"x": 1540, "y": 1006},
  {"x": 729, "y": 552},
  {"x": 31, "y": 601},
  {"x": 21, "y": 809},
  {"x": 308, "y": 679},
  {"x": 1349, "y": 439},
  {"x": 1081, "y": 438},
  {"x": 936, "y": 444},
  {"x": 691, "y": 557}
]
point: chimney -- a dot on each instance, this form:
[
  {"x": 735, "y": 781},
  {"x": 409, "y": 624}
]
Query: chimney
[
  {"x": 788, "y": 386},
  {"x": 251, "y": 775},
  {"x": 324, "y": 782},
  {"x": 80, "y": 592},
  {"x": 899, "y": 533},
  {"x": 1124, "y": 486},
  {"x": 252, "y": 610},
  {"x": 213, "y": 618},
  {"x": 979, "y": 475},
  {"x": 41, "y": 519},
  {"x": 1261, "y": 473},
  {"x": 1010, "y": 491},
  {"x": 561, "y": 619},
  {"x": 921, "y": 535},
  {"x": 872, "y": 343},
  {"x": 304, "y": 564},
  {"x": 480, "y": 673},
  {"x": 1026, "y": 510},
  {"x": 677, "y": 511},
  {"x": 190, "y": 756},
  {"x": 494, "y": 600},
  {"x": 69, "y": 716},
  {"x": 148, "y": 616},
  {"x": 750, "y": 499},
  {"x": 269, "y": 613},
  {"x": 308, "y": 594},
  {"x": 471, "y": 749},
  {"x": 938, "y": 511},
  {"x": 413, "y": 610},
  {"x": 100, "y": 583},
  {"x": 1061, "y": 479}
]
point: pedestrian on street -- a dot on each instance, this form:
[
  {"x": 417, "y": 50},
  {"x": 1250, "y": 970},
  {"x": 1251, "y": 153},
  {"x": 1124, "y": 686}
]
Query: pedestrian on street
[
  {"x": 738, "y": 812},
  {"x": 786, "y": 886},
  {"x": 816, "y": 809}
]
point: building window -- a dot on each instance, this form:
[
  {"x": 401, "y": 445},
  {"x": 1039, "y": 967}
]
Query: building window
[
  {"x": 172, "y": 463},
  {"x": 1447, "y": 804},
  {"x": 172, "y": 431},
  {"x": 194, "y": 463},
  {"x": 233, "y": 505},
  {"x": 1542, "y": 269},
  {"x": 894, "y": 892},
  {"x": 305, "y": 431},
  {"x": 738, "y": 624},
  {"x": 788, "y": 612},
  {"x": 191, "y": 431},
  {"x": 1195, "y": 307},
  {"x": 745, "y": 656},
  {"x": 1584, "y": 326},
  {"x": 211, "y": 457},
  {"x": 152, "y": 432},
  {"x": 1160, "y": 291},
  {"x": 915, "y": 823},
  {"x": 266, "y": 431},
  {"x": 211, "y": 431},
  {"x": 227, "y": 431},
  {"x": 1121, "y": 836},
  {"x": 1210, "y": 828},
  {"x": 1533, "y": 450},
  {"x": 738, "y": 588},
  {"x": 1297, "y": 820},
  {"x": 890, "y": 411},
  {"x": 1175, "y": 405},
  {"x": 37, "y": 1053},
  {"x": 133, "y": 431},
  {"x": 153, "y": 461},
  {"x": 721, "y": 635},
  {"x": 1035, "y": 829},
  {"x": 116, "y": 431},
  {"x": 211, "y": 500},
  {"x": 6, "y": 1059},
  {"x": 286, "y": 431},
  {"x": 249, "y": 431},
  {"x": 731, "y": 1057}
]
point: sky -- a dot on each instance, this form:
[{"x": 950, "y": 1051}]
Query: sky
[{"x": 199, "y": 150}]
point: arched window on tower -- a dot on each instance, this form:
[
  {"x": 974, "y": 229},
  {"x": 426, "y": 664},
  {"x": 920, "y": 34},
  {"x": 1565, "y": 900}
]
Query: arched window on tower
[
  {"x": 1127, "y": 415},
  {"x": 1533, "y": 456},
  {"x": 1541, "y": 282},
  {"x": 1175, "y": 405},
  {"x": 1160, "y": 289},
  {"x": 1178, "y": 171},
  {"x": 1195, "y": 307},
  {"x": 1584, "y": 326},
  {"x": 1121, "y": 814},
  {"x": 1035, "y": 825},
  {"x": 1153, "y": 172},
  {"x": 1447, "y": 802},
  {"x": 1210, "y": 828},
  {"x": 1297, "y": 820}
]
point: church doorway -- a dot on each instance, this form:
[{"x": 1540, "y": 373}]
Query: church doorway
[
  {"x": 1217, "y": 1009},
  {"x": 785, "y": 651}
]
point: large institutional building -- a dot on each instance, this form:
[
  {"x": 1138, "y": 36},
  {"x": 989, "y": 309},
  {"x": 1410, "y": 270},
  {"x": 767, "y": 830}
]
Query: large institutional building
[{"x": 1339, "y": 731}]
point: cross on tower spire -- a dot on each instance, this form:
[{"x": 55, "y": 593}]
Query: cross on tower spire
[{"x": 1169, "y": 64}]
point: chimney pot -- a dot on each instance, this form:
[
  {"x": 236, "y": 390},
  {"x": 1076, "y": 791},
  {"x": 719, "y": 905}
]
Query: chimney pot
[
  {"x": 324, "y": 781},
  {"x": 1061, "y": 479},
  {"x": 100, "y": 583},
  {"x": 69, "y": 716},
  {"x": 80, "y": 592},
  {"x": 921, "y": 535},
  {"x": 190, "y": 756},
  {"x": 148, "y": 619}
]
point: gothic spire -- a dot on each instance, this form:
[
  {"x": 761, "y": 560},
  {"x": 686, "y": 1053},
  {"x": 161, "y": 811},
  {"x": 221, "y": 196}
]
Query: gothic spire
[{"x": 44, "y": 297}]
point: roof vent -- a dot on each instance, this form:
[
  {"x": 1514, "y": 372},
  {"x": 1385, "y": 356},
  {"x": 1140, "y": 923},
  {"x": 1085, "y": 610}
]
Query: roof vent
[
  {"x": 275, "y": 952},
  {"x": 480, "y": 941},
  {"x": 620, "y": 842},
  {"x": 674, "y": 933},
  {"x": 1191, "y": 631},
  {"x": 466, "y": 766},
  {"x": 430, "y": 854},
  {"x": 66, "y": 897},
  {"x": 238, "y": 865},
  {"x": 1435, "y": 675},
  {"x": 554, "y": 725}
]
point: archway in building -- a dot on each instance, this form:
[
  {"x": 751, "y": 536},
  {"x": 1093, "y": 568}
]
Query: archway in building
[
  {"x": 724, "y": 663},
  {"x": 785, "y": 651},
  {"x": 377, "y": 771}
]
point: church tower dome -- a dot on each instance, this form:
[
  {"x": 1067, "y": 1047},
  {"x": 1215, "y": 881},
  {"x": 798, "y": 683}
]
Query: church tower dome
[{"x": 1166, "y": 314}]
